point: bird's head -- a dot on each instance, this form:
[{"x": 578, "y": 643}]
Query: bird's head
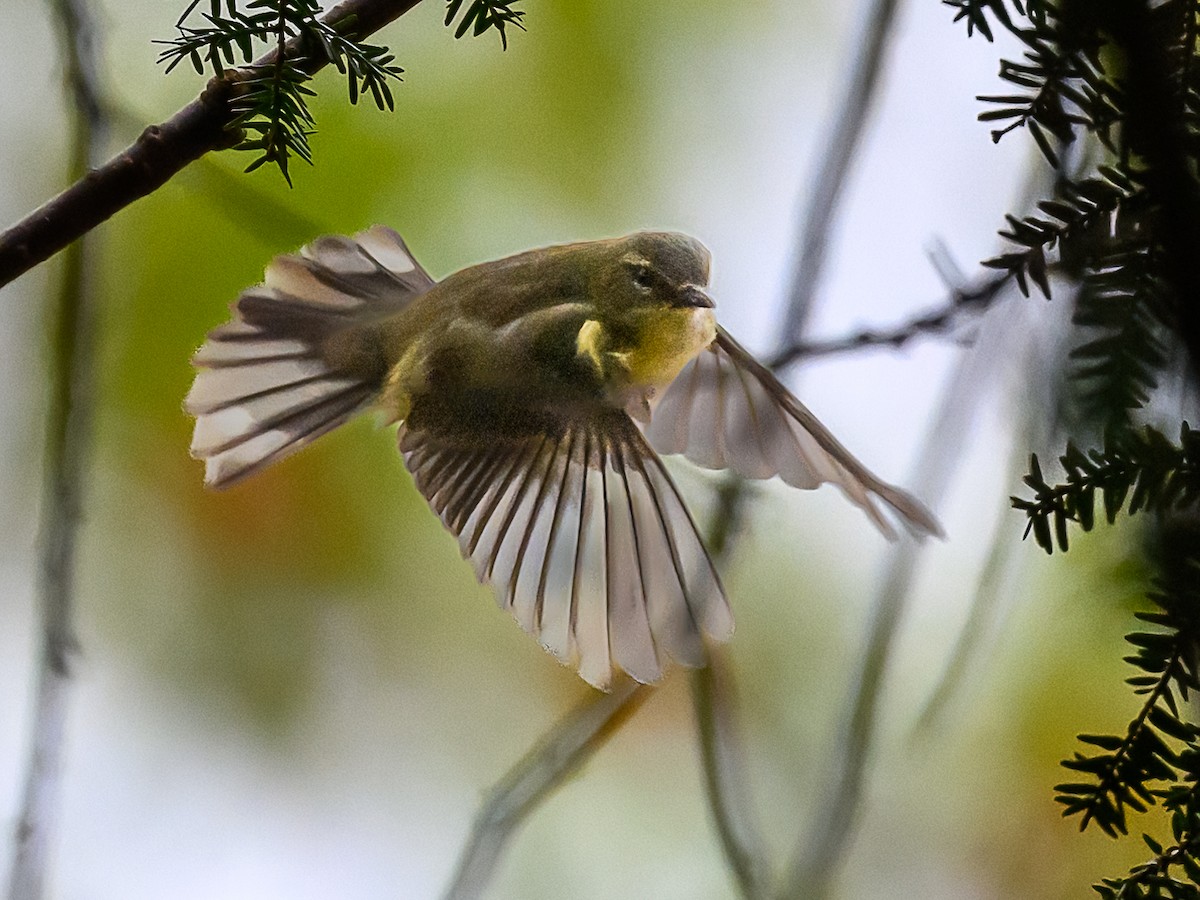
[{"x": 656, "y": 269}]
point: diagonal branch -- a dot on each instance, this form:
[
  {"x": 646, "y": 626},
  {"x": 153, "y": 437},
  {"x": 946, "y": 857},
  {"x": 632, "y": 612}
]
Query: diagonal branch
[
  {"x": 829, "y": 177},
  {"x": 728, "y": 793},
  {"x": 163, "y": 150},
  {"x": 818, "y": 856},
  {"x": 717, "y": 738},
  {"x": 991, "y": 584},
  {"x": 714, "y": 701},
  {"x": 567, "y": 746}
]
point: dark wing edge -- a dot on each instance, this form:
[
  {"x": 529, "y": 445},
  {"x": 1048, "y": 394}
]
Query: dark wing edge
[
  {"x": 726, "y": 410},
  {"x": 585, "y": 539}
]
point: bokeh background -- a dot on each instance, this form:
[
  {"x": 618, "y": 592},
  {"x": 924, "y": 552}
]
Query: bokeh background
[{"x": 296, "y": 689}]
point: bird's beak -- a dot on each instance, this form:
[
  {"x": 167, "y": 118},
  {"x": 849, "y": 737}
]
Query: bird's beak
[{"x": 692, "y": 296}]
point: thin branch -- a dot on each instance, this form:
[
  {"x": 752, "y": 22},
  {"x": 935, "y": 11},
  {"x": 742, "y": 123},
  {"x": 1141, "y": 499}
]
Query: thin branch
[
  {"x": 829, "y": 177},
  {"x": 724, "y": 774},
  {"x": 724, "y": 781},
  {"x": 163, "y": 150},
  {"x": 726, "y": 786},
  {"x": 816, "y": 859},
  {"x": 990, "y": 587},
  {"x": 964, "y": 300},
  {"x": 68, "y": 442},
  {"x": 567, "y": 746}
]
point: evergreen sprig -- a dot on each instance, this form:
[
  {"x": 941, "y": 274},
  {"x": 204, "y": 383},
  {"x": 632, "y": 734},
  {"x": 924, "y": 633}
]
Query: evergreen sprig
[
  {"x": 1123, "y": 309},
  {"x": 1157, "y": 760},
  {"x": 1135, "y": 470},
  {"x": 1160, "y": 876},
  {"x": 272, "y": 100},
  {"x": 484, "y": 14},
  {"x": 977, "y": 12},
  {"x": 1075, "y": 222},
  {"x": 1060, "y": 90},
  {"x": 1103, "y": 229}
]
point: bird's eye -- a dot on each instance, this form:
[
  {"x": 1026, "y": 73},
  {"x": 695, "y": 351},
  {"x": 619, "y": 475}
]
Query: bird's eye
[{"x": 643, "y": 278}]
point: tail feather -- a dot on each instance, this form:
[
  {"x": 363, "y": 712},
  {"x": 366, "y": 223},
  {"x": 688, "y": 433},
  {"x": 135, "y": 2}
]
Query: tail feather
[
  {"x": 218, "y": 354},
  {"x": 220, "y": 388},
  {"x": 257, "y": 446},
  {"x": 269, "y": 380},
  {"x": 222, "y": 429}
]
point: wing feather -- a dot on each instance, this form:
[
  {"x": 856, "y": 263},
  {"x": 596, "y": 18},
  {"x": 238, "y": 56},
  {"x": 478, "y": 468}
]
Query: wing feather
[
  {"x": 633, "y": 643},
  {"x": 728, "y": 411},
  {"x": 584, "y": 537}
]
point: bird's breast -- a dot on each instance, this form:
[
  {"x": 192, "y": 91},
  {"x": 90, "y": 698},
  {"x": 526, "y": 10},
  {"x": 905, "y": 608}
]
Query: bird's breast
[{"x": 668, "y": 341}]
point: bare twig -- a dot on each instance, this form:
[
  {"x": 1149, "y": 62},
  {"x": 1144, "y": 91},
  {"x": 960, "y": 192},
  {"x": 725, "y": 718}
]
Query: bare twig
[
  {"x": 989, "y": 588},
  {"x": 818, "y": 856},
  {"x": 163, "y": 150},
  {"x": 724, "y": 781},
  {"x": 67, "y": 444},
  {"x": 559, "y": 755},
  {"x": 964, "y": 300},
  {"x": 723, "y": 772},
  {"x": 829, "y": 176},
  {"x": 1041, "y": 362}
]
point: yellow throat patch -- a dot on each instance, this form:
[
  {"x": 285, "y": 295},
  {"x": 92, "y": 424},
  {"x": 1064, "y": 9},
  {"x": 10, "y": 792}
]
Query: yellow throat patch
[{"x": 667, "y": 341}]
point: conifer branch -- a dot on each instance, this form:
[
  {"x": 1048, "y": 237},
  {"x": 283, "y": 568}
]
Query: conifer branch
[
  {"x": 1134, "y": 470},
  {"x": 484, "y": 14},
  {"x": 272, "y": 103},
  {"x": 163, "y": 150},
  {"x": 1157, "y": 760}
]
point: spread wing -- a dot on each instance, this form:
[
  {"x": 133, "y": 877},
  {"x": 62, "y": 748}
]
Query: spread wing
[
  {"x": 582, "y": 533},
  {"x": 726, "y": 410}
]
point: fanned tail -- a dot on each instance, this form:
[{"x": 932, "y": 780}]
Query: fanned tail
[{"x": 300, "y": 355}]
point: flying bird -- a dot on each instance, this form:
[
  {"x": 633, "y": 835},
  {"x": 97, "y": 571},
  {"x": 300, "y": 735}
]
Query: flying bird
[{"x": 535, "y": 396}]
